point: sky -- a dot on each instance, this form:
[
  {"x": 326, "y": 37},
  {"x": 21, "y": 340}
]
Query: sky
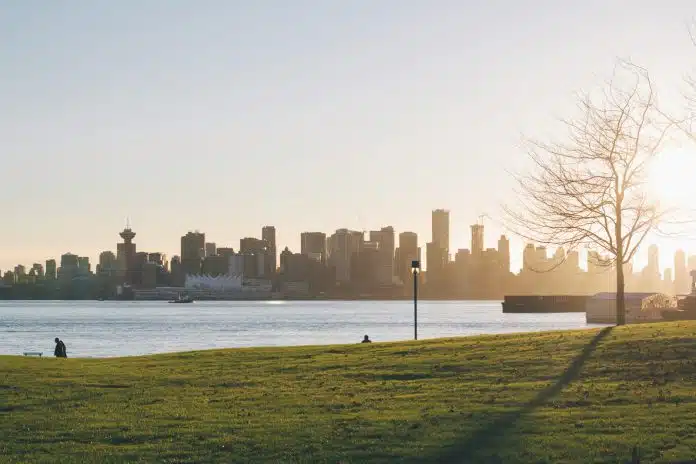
[{"x": 225, "y": 116}]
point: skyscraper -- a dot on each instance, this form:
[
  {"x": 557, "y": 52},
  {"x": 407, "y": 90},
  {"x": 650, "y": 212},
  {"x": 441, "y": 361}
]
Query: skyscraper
[
  {"x": 407, "y": 252},
  {"x": 125, "y": 254},
  {"x": 313, "y": 244},
  {"x": 504, "y": 252},
  {"x": 192, "y": 253},
  {"x": 268, "y": 234},
  {"x": 210, "y": 249},
  {"x": 385, "y": 238},
  {"x": 440, "y": 226},
  {"x": 51, "y": 269},
  {"x": 108, "y": 264},
  {"x": 342, "y": 245},
  {"x": 477, "y": 240},
  {"x": 682, "y": 282}
]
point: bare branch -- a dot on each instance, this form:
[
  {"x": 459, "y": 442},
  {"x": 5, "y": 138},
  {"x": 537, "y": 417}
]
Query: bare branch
[{"x": 589, "y": 189}]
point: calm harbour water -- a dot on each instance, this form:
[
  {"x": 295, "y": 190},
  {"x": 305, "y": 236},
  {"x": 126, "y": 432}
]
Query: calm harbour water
[{"x": 103, "y": 329}]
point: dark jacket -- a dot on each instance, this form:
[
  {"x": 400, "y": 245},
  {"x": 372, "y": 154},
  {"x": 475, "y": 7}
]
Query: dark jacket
[{"x": 60, "y": 351}]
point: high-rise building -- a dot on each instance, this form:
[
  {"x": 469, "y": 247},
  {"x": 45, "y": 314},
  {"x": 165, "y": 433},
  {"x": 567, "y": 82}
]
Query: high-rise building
[
  {"x": 125, "y": 255},
  {"x": 210, "y": 249},
  {"x": 341, "y": 247},
  {"x": 440, "y": 226},
  {"x": 192, "y": 252},
  {"x": 385, "y": 240},
  {"x": 529, "y": 258},
  {"x": 160, "y": 259},
  {"x": 251, "y": 245},
  {"x": 178, "y": 277},
  {"x": 255, "y": 257},
  {"x": 37, "y": 270},
  {"x": 51, "y": 269},
  {"x": 226, "y": 251},
  {"x": 83, "y": 265},
  {"x": 504, "y": 253},
  {"x": 68, "y": 266},
  {"x": 108, "y": 264},
  {"x": 682, "y": 282},
  {"x": 436, "y": 258},
  {"x": 366, "y": 266},
  {"x": 268, "y": 235},
  {"x": 313, "y": 245},
  {"x": 407, "y": 252},
  {"x": 477, "y": 240}
]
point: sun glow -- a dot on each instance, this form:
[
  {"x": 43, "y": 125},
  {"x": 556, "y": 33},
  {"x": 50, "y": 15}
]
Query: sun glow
[{"x": 672, "y": 178}]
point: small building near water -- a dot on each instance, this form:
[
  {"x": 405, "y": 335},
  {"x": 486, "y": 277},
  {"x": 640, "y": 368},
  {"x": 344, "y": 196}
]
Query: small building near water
[{"x": 640, "y": 307}]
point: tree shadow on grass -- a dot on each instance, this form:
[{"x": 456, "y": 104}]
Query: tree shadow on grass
[{"x": 482, "y": 443}]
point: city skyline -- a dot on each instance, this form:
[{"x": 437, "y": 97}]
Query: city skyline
[
  {"x": 225, "y": 115},
  {"x": 439, "y": 231}
]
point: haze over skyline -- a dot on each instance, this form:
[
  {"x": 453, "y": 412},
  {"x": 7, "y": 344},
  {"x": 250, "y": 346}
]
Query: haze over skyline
[{"x": 224, "y": 116}]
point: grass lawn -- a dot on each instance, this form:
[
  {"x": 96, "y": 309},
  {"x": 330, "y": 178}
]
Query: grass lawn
[{"x": 574, "y": 396}]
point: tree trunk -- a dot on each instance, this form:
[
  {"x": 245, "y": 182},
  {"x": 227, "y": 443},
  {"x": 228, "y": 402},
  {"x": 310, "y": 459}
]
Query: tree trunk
[{"x": 620, "y": 295}]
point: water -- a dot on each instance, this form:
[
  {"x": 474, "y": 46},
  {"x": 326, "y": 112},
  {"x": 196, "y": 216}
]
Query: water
[{"x": 103, "y": 329}]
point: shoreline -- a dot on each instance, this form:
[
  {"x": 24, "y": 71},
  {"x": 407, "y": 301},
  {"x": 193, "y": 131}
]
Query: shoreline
[{"x": 385, "y": 343}]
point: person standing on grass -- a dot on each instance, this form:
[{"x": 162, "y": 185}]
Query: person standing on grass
[
  {"x": 366, "y": 340},
  {"x": 60, "y": 351}
]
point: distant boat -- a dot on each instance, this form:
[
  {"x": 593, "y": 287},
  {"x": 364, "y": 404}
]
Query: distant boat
[{"x": 182, "y": 299}]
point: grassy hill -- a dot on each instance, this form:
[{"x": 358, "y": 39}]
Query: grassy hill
[{"x": 575, "y": 396}]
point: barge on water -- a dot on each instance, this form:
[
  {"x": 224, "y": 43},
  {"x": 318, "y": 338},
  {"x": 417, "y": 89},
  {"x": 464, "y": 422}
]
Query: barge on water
[{"x": 544, "y": 303}]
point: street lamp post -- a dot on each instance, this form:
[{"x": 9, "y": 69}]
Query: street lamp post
[{"x": 415, "y": 267}]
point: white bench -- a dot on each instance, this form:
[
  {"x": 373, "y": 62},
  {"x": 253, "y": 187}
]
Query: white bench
[{"x": 34, "y": 353}]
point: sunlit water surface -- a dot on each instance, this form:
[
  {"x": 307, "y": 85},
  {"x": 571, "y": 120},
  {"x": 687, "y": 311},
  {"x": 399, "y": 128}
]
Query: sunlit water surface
[{"x": 103, "y": 329}]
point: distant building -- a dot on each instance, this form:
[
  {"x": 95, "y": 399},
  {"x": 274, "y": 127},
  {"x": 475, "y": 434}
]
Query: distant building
[
  {"x": 158, "y": 258},
  {"x": 313, "y": 244},
  {"x": 256, "y": 253},
  {"x": 215, "y": 265},
  {"x": 192, "y": 252},
  {"x": 68, "y": 266},
  {"x": 437, "y": 259},
  {"x": 83, "y": 265},
  {"x": 341, "y": 247},
  {"x": 108, "y": 263},
  {"x": 504, "y": 253},
  {"x": 210, "y": 249},
  {"x": 37, "y": 270},
  {"x": 225, "y": 251},
  {"x": 268, "y": 235},
  {"x": 477, "y": 240},
  {"x": 178, "y": 276},
  {"x": 385, "y": 262},
  {"x": 440, "y": 226},
  {"x": 125, "y": 254},
  {"x": 217, "y": 283},
  {"x": 682, "y": 282},
  {"x": 407, "y": 252},
  {"x": 51, "y": 269},
  {"x": 366, "y": 267}
]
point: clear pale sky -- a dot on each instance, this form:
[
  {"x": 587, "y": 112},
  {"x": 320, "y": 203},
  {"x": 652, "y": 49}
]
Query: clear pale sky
[{"x": 224, "y": 116}]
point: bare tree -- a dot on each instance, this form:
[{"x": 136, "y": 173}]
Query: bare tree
[{"x": 588, "y": 191}]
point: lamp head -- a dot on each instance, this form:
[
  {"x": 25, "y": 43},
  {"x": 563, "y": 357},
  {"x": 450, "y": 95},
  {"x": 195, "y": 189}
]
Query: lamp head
[{"x": 415, "y": 266}]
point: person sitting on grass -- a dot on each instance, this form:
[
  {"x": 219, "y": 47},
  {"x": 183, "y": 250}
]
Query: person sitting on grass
[
  {"x": 366, "y": 340},
  {"x": 60, "y": 351}
]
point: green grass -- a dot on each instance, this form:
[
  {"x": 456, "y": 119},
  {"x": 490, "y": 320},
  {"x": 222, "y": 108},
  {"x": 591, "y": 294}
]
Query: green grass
[{"x": 577, "y": 396}]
